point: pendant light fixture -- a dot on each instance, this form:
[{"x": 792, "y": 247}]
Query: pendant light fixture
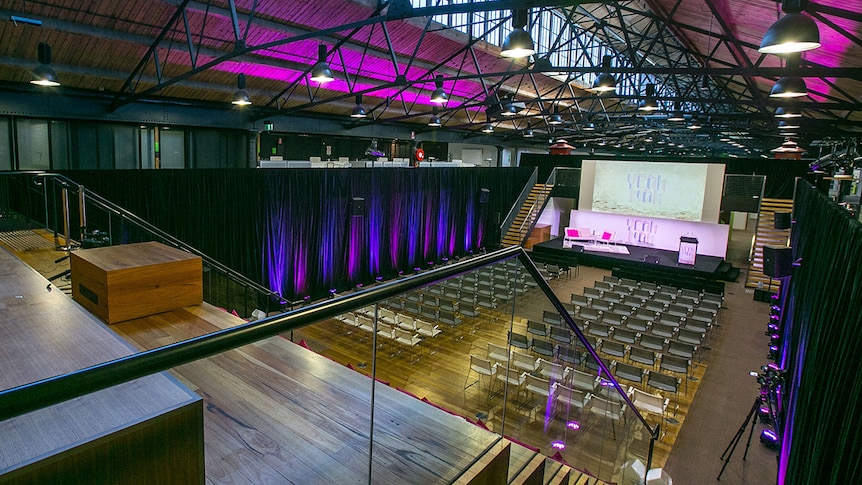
[
  {"x": 434, "y": 121},
  {"x": 789, "y": 87},
  {"x": 358, "y": 111},
  {"x": 508, "y": 108},
  {"x": 439, "y": 96},
  {"x": 555, "y": 118},
  {"x": 241, "y": 97},
  {"x": 321, "y": 72},
  {"x": 786, "y": 112},
  {"x": 44, "y": 74},
  {"x": 795, "y": 32},
  {"x": 649, "y": 103},
  {"x": 518, "y": 43},
  {"x": 605, "y": 82},
  {"x": 676, "y": 115}
]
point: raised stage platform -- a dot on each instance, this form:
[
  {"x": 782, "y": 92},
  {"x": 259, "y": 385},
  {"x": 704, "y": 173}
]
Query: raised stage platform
[{"x": 640, "y": 263}]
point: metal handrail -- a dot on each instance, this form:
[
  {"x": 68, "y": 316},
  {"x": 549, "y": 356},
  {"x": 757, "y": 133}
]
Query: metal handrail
[
  {"x": 54, "y": 390},
  {"x": 516, "y": 206},
  {"x": 533, "y": 214},
  {"x": 107, "y": 205}
]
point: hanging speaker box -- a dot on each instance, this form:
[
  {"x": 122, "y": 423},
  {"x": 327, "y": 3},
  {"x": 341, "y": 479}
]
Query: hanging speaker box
[
  {"x": 357, "y": 206},
  {"x": 777, "y": 261}
]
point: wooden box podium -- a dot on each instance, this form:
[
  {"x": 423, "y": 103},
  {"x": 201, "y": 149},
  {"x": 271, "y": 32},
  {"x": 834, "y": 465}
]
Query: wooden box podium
[{"x": 119, "y": 283}]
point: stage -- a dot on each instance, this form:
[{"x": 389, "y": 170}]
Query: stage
[{"x": 640, "y": 263}]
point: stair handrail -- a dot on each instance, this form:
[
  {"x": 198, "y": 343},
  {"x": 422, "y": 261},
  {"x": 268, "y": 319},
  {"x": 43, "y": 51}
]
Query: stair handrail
[
  {"x": 516, "y": 206},
  {"x": 537, "y": 207},
  {"x": 164, "y": 236}
]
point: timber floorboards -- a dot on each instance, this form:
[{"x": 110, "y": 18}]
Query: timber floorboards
[{"x": 438, "y": 373}]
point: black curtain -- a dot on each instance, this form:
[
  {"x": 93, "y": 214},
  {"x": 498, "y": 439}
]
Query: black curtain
[
  {"x": 296, "y": 230},
  {"x": 822, "y": 318}
]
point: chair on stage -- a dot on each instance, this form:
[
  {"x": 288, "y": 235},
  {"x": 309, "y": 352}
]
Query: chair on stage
[
  {"x": 406, "y": 322},
  {"x": 605, "y": 238},
  {"x": 576, "y": 234}
]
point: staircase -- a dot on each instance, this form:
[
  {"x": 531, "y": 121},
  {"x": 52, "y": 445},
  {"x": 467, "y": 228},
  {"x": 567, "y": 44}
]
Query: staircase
[
  {"x": 523, "y": 466},
  {"x": 526, "y": 218},
  {"x": 766, "y": 235}
]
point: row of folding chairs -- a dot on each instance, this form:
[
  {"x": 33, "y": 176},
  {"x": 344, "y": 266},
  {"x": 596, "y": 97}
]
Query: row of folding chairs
[
  {"x": 628, "y": 285},
  {"x": 627, "y": 331},
  {"x": 630, "y": 304}
]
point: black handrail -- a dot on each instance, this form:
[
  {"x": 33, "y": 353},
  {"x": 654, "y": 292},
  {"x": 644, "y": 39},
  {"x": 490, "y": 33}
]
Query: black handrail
[{"x": 54, "y": 390}]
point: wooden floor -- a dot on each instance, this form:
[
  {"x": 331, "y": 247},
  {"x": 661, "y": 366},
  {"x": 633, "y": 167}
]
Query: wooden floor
[
  {"x": 45, "y": 334},
  {"x": 254, "y": 393},
  {"x": 440, "y": 377},
  {"x": 277, "y": 413}
]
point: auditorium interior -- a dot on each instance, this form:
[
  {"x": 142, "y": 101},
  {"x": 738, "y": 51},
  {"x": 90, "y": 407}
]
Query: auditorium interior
[{"x": 430, "y": 241}]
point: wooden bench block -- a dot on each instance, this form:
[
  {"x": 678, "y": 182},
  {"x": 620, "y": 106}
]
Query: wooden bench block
[{"x": 119, "y": 283}]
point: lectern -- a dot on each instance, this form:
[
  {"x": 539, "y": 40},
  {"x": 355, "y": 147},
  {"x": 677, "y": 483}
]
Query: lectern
[{"x": 687, "y": 250}]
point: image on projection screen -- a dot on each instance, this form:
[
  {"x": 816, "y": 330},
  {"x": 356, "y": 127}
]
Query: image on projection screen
[{"x": 654, "y": 189}]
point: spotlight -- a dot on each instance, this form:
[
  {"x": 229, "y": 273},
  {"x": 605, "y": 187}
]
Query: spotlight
[
  {"x": 528, "y": 133},
  {"x": 573, "y": 425},
  {"x": 558, "y": 445},
  {"x": 769, "y": 438},
  {"x": 489, "y": 128}
]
